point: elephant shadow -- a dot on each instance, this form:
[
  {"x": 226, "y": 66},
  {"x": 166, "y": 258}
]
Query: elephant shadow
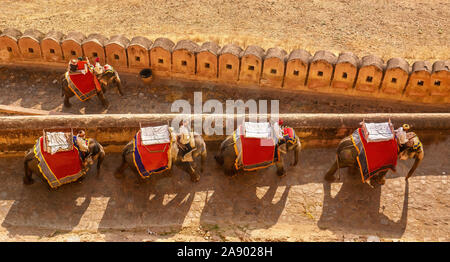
[
  {"x": 355, "y": 209},
  {"x": 253, "y": 199},
  {"x": 42, "y": 212},
  {"x": 159, "y": 204}
]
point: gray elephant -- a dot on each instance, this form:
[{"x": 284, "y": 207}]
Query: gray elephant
[
  {"x": 226, "y": 155},
  {"x": 176, "y": 158},
  {"x": 347, "y": 153},
  {"x": 95, "y": 152}
]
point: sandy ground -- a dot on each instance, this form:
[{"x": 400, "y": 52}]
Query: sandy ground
[
  {"x": 415, "y": 30},
  {"x": 257, "y": 206}
]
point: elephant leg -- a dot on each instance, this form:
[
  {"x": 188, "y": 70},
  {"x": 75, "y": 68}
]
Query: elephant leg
[
  {"x": 280, "y": 168},
  {"x": 119, "y": 85},
  {"x": 27, "y": 178},
  {"x": 219, "y": 159},
  {"x": 230, "y": 170},
  {"x": 203, "y": 160},
  {"x": 379, "y": 179},
  {"x": 66, "y": 101},
  {"x": 102, "y": 98},
  {"x": 329, "y": 176},
  {"x": 195, "y": 177}
]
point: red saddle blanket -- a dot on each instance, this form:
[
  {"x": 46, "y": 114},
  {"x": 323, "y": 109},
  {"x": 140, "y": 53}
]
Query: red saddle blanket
[
  {"x": 150, "y": 159},
  {"x": 374, "y": 157},
  {"x": 59, "y": 168},
  {"x": 84, "y": 86},
  {"x": 254, "y": 153}
]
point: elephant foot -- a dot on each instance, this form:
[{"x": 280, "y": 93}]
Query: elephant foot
[
  {"x": 28, "y": 181},
  {"x": 118, "y": 175},
  {"x": 281, "y": 173},
  {"x": 375, "y": 182},
  {"x": 68, "y": 105},
  {"x": 330, "y": 178},
  {"x": 195, "y": 178}
]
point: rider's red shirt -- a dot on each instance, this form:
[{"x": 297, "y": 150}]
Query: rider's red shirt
[{"x": 80, "y": 65}]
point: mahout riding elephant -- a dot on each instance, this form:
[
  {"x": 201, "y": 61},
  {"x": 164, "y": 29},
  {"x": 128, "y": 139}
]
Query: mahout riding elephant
[
  {"x": 176, "y": 158},
  {"x": 94, "y": 152},
  {"x": 226, "y": 155},
  {"x": 347, "y": 157},
  {"x": 107, "y": 80}
]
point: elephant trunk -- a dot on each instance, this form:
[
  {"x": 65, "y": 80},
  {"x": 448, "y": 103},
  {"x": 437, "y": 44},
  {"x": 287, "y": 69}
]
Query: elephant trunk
[
  {"x": 297, "y": 152},
  {"x": 417, "y": 161},
  {"x": 101, "y": 157}
]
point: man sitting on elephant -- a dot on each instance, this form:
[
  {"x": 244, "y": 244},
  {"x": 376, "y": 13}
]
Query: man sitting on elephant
[{"x": 185, "y": 141}]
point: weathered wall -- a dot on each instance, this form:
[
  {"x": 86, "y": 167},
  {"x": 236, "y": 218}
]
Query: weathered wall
[
  {"x": 117, "y": 130},
  {"x": 369, "y": 80}
]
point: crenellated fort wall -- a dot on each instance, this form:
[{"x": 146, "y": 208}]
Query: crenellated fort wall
[{"x": 252, "y": 66}]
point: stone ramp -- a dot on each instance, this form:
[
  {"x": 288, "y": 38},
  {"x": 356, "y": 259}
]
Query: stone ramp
[{"x": 254, "y": 206}]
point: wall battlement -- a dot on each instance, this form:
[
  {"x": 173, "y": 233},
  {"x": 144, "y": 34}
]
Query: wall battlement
[{"x": 323, "y": 72}]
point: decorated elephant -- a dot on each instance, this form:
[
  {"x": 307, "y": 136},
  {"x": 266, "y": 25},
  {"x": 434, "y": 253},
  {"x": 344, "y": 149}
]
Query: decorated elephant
[
  {"x": 102, "y": 80},
  {"x": 348, "y": 152},
  {"x": 135, "y": 157},
  {"x": 230, "y": 155},
  {"x": 62, "y": 167}
]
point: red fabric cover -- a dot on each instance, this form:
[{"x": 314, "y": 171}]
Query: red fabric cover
[
  {"x": 257, "y": 150},
  {"x": 152, "y": 160},
  {"x": 379, "y": 154},
  {"x": 62, "y": 164},
  {"x": 85, "y": 83}
]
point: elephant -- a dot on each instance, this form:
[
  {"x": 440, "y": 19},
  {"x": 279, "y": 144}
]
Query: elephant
[
  {"x": 95, "y": 152},
  {"x": 226, "y": 156},
  {"x": 106, "y": 80},
  {"x": 347, "y": 153},
  {"x": 176, "y": 157}
]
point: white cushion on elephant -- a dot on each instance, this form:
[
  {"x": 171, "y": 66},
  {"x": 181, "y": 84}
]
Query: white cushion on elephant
[
  {"x": 257, "y": 130},
  {"x": 57, "y": 141},
  {"x": 154, "y": 135},
  {"x": 377, "y": 132}
]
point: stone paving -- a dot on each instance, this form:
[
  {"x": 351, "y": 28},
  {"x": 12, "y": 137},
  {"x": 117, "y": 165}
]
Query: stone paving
[{"x": 255, "y": 206}]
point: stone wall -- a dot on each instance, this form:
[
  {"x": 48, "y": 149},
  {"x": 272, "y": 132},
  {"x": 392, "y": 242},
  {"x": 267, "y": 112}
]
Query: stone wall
[
  {"x": 318, "y": 130},
  {"x": 323, "y": 72}
]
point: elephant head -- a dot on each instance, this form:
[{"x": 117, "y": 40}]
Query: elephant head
[
  {"x": 95, "y": 152},
  {"x": 412, "y": 149}
]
